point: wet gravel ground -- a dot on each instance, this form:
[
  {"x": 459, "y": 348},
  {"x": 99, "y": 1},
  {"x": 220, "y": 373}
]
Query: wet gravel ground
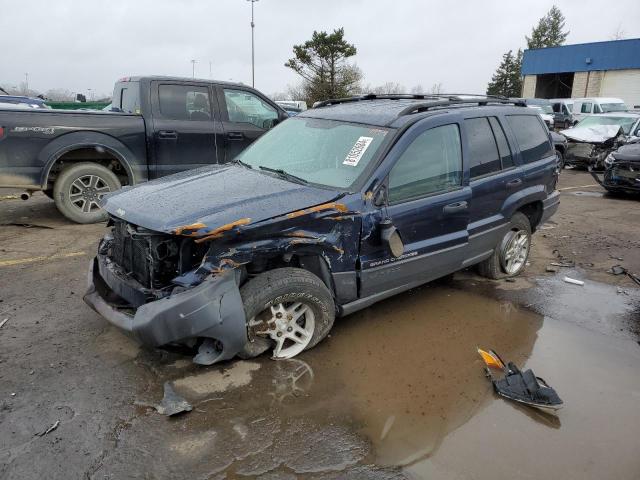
[{"x": 397, "y": 391}]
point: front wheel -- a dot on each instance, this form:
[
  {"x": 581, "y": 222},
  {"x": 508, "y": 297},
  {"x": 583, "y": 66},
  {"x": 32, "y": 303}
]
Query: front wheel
[
  {"x": 510, "y": 256},
  {"x": 288, "y": 310},
  {"x": 79, "y": 189}
]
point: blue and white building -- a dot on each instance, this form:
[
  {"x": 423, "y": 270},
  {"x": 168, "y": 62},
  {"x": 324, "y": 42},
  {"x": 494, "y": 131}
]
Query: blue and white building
[{"x": 599, "y": 69}]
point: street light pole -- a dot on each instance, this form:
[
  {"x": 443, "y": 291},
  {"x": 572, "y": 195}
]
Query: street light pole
[
  {"x": 193, "y": 69},
  {"x": 253, "y": 67}
]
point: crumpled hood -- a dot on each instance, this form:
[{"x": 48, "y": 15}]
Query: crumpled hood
[
  {"x": 215, "y": 196},
  {"x": 595, "y": 134}
]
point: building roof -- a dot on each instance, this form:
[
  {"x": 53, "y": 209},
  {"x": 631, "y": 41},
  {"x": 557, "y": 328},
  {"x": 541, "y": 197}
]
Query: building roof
[{"x": 584, "y": 57}]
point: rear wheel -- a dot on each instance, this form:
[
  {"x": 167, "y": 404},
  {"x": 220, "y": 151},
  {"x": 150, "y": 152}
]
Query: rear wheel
[
  {"x": 288, "y": 310},
  {"x": 79, "y": 189},
  {"x": 510, "y": 256}
]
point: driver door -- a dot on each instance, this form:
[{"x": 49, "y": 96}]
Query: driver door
[{"x": 428, "y": 205}]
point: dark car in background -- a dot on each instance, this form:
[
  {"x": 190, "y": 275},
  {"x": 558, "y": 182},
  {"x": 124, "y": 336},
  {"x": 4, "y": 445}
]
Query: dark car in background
[
  {"x": 21, "y": 102},
  {"x": 157, "y": 126},
  {"x": 331, "y": 211}
]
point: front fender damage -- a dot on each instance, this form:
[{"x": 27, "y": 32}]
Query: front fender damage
[{"x": 329, "y": 230}]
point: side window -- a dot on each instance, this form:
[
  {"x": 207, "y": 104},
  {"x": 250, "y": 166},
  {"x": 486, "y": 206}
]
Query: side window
[
  {"x": 130, "y": 98},
  {"x": 503, "y": 146},
  {"x": 531, "y": 136},
  {"x": 484, "y": 158},
  {"x": 596, "y": 108},
  {"x": 245, "y": 107},
  {"x": 432, "y": 163},
  {"x": 586, "y": 108},
  {"x": 184, "y": 102}
]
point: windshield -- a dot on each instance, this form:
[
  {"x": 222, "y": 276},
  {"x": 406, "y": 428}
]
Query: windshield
[
  {"x": 594, "y": 120},
  {"x": 318, "y": 151},
  {"x": 613, "y": 107}
]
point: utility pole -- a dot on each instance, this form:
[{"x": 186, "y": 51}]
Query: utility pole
[
  {"x": 26, "y": 83},
  {"x": 193, "y": 68},
  {"x": 253, "y": 66},
  {"x": 210, "y": 69}
]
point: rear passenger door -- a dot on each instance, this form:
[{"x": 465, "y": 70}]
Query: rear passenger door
[
  {"x": 428, "y": 204},
  {"x": 537, "y": 155},
  {"x": 245, "y": 117},
  {"x": 493, "y": 178},
  {"x": 186, "y": 127}
]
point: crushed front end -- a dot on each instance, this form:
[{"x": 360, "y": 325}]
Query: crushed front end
[
  {"x": 622, "y": 173},
  {"x": 131, "y": 285}
]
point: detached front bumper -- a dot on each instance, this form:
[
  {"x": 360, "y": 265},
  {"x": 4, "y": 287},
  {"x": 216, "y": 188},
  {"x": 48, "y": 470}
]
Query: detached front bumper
[{"x": 212, "y": 310}]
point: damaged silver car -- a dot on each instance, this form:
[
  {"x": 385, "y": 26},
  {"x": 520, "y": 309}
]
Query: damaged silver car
[{"x": 595, "y": 137}]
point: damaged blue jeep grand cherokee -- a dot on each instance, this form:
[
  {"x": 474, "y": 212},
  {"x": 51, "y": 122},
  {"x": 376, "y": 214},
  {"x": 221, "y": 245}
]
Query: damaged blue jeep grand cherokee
[{"x": 331, "y": 211}]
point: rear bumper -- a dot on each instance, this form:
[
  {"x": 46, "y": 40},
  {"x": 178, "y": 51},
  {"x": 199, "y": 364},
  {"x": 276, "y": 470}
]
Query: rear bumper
[
  {"x": 212, "y": 310},
  {"x": 550, "y": 206}
]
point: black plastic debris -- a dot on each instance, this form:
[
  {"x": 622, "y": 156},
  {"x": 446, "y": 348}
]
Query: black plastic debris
[
  {"x": 617, "y": 270},
  {"x": 172, "y": 403},
  {"x": 523, "y": 387}
]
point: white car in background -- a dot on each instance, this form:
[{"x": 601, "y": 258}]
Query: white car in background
[
  {"x": 547, "y": 116},
  {"x": 582, "y": 107}
]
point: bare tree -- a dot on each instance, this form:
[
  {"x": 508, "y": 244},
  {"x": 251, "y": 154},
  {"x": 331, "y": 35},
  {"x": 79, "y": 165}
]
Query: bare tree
[
  {"x": 436, "y": 88},
  {"x": 619, "y": 34},
  {"x": 59, "y": 95},
  {"x": 417, "y": 89}
]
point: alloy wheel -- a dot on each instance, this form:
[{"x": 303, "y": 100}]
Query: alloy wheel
[{"x": 86, "y": 192}]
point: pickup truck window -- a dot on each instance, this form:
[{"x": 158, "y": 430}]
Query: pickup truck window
[
  {"x": 531, "y": 136},
  {"x": 184, "y": 102},
  {"x": 130, "y": 98},
  {"x": 245, "y": 107},
  {"x": 484, "y": 158},
  {"x": 432, "y": 163}
]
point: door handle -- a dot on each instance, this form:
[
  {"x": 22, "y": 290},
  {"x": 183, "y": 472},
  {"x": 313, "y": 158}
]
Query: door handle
[
  {"x": 168, "y": 135},
  {"x": 235, "y": 136},
  {"x": 455, "y": 207},
  {"x": 514, "y": 183}
]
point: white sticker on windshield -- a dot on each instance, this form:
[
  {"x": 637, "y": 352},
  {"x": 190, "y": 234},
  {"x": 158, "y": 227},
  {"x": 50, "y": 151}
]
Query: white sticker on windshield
[{"x": 357, "y": 152}]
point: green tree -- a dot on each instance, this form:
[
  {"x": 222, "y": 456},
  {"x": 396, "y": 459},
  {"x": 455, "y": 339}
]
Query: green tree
[
  {"x": 506, "y": 81},
  {"x": 321, "y": 62},
  {"x": 550, "y": 30}
]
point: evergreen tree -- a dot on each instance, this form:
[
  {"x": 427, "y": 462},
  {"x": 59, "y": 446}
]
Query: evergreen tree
[
  {"x": 321, "y": 62},
  {"x": 506, "y": 80},
  {"x": 550, "y": 30}
]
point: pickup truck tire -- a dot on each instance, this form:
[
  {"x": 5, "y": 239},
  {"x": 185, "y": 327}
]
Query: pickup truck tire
[
  {"x": 268, "y": 300},
  {"x": 79, "y": 188},
  {"x": 517, "y": 241}
]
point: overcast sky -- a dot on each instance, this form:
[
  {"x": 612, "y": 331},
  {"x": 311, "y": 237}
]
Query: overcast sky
[{"x": 82, "y": 44}]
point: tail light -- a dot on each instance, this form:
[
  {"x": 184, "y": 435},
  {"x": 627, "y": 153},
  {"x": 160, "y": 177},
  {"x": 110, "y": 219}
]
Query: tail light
[{"x": 1, "y": 133}]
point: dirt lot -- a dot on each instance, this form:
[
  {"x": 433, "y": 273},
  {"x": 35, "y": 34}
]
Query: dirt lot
[{"x": 397, "y": 391}]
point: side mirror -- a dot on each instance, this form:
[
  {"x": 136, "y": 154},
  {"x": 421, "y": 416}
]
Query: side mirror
[{"x": 391, "y": 238}]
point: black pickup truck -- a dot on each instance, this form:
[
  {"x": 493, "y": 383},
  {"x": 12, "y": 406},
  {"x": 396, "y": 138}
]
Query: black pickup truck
[{"x": 157, "y": 126}]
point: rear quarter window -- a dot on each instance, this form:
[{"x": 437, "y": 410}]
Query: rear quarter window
[{"x": 532, "y": 137}]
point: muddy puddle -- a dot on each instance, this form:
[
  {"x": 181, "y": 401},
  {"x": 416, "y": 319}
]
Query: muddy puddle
[{"x": 399, "y": 391}]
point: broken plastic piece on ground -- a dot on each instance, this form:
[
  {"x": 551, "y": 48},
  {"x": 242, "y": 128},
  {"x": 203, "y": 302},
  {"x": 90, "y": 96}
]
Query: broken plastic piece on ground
[
  {"x": 172, "y": 403},
  {"x": 573, "y": 281},
  {"x": 49, "y": 429},
  {"x": 617, "y": 270},
  {"x": 491, "y": 358},
  {"x": 521, "y": 387}
]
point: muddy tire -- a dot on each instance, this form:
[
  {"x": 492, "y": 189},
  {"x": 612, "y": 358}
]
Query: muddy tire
[
  {"x": 79, "y": 188},
  {"x": 277, "y": 292},
  {"x": 510, "y": 256},
  {"x": 560, "y": 159}
]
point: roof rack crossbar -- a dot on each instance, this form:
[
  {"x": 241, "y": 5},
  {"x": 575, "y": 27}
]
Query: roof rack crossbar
[
  {"x": 453, "y": 100},
  {"x": 439, "y": 100}
]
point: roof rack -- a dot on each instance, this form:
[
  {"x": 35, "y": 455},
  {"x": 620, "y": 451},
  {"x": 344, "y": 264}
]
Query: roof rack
[{"x": 435, "y": 100}]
